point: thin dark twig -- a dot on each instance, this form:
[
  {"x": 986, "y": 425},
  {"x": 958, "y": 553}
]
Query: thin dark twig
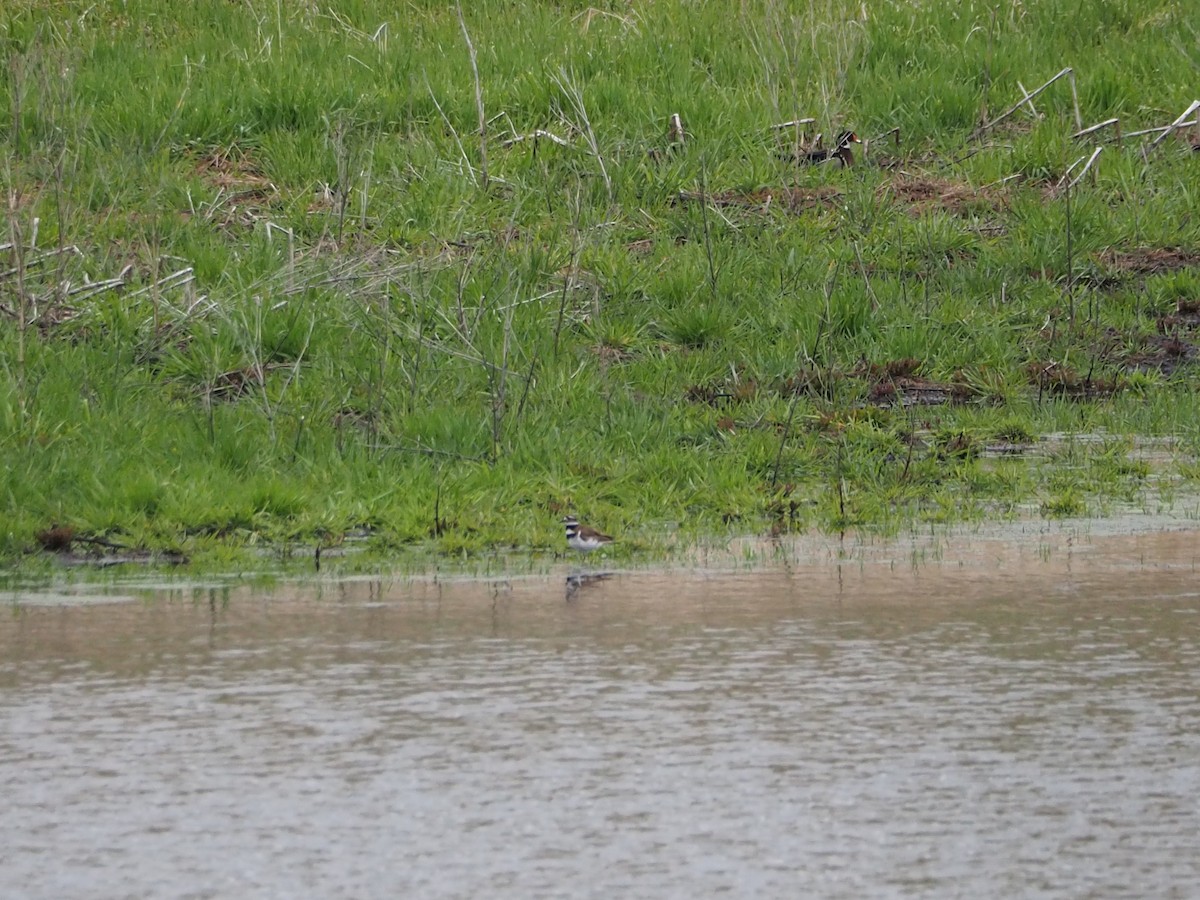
[
  {"x": 437, "y": 509},
  {"x": 525, "y": 391},
  {"x": 862, "y": 267},
  {"x": 787, "y": 428},
  {"x": 571, "y": 264},
  {"x": 841, "y": 490},
  {"x": 1070, "y": 261}
]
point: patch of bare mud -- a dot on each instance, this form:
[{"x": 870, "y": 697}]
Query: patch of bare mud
[
  {"x": 722, "y": 393},
  {"x": 233, "y": 170},
  {"x": 898, "y": 383},
  {"x": 73, "y": 549},
  {"x": 1149, "y": 260},
  {"x": 244, "y": 194},
  {"x": 1185, "y": 318},
  {"x": 1167, "y": 350},
  {"x": 1163, "y": 353},
  {"x": 920, "y": 195},
  {"x": 1060, "y": 380}
]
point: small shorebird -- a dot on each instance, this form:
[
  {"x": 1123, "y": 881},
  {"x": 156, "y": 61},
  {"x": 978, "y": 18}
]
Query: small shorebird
[{"x": 582, "y": 537}]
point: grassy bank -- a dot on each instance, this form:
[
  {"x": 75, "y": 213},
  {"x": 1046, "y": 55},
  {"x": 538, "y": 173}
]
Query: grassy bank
[{"x": 266, "y": 278}]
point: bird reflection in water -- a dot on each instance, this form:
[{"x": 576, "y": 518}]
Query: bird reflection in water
[{"x": 579, "y": 581}]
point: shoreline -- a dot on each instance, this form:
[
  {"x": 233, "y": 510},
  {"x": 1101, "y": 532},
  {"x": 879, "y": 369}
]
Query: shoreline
[{"x": 983, "y": 549}]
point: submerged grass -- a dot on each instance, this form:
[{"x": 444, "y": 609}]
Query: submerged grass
[{"x": 267, "y": 281}]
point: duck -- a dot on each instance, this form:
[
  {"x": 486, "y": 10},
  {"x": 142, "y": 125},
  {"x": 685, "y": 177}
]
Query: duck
[{"x": 841, "y": 151}]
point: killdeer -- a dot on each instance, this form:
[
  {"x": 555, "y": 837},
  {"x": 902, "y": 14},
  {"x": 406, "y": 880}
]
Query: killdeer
[{"x": 582, "y": 537}]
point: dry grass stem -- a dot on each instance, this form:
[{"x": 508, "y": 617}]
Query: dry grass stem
[
  {"x": 538, "y": 134},
  {"x": 1180, "y": 122},
  {"x": 675, "y": 131},
  {"x": 1029, "y": 103},
  {"x": 1159, "y": 129},
  {"x": 1094, "y": 128},
  {"x": 1023, "y": 101},
  {"x": 483, "y": 165},
  {"x": 1095, "y": 155},
  {"x": 794, "y": 123}
]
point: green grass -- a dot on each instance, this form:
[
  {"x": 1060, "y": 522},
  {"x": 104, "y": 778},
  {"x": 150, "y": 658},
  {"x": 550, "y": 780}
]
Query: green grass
[{"x": 341, "y": 309}]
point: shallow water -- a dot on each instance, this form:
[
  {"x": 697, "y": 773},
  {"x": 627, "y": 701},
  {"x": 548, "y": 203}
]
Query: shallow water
[{"x": 1009, "y": 716}]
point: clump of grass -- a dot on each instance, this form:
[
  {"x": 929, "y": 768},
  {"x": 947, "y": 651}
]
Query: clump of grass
[
  {"x": 1063, "y": 505},
  {"x": 695, "y": 326}
]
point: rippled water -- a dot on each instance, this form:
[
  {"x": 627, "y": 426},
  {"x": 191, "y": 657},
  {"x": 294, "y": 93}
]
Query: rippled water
[{"x": 992, "y": 718}]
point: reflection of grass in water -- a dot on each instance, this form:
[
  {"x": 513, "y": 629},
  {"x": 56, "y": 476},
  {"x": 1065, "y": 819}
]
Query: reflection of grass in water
[{"x": 328, "y": 324}]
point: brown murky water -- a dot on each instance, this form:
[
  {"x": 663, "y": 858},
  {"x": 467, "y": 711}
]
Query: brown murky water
[{"x": 1014, "y": 715}]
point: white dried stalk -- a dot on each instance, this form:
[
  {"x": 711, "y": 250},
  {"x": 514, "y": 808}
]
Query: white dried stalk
[
  {"x": 1170, "y": 129},
  {"x": 536, "y": 134},
  {"x": 1028, "y": 96},
  {"x": 1032, "y": 109},
  {"x": 574, "y": 94},
  {"x": 483, "y": 167},
  {"x": 1096, "y": 127},
  {"x": 175, "y": 279},
  {"x": 1079, "y": 177},
  {"x": 675, "y": 132},
  {"x": 1075, "y": 100},
  {"x": 1161, "y": 128},
  {"x": 453, "y": 131},
  {"x": 795, "y": 123}
]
